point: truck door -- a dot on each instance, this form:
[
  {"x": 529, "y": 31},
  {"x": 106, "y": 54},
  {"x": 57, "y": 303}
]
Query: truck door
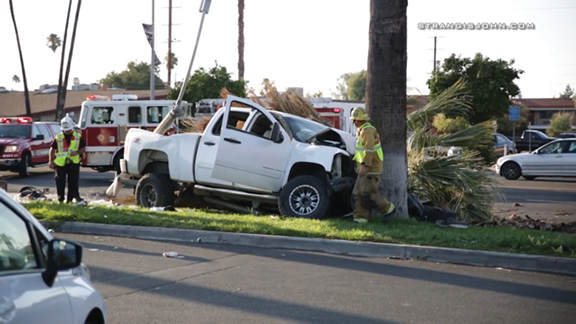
[
  {"x": 44, "y": 148},
  {"x": 36, "y": 145},
  {"x": 101, "y": 135},
  {"x": 247, "y": 155}
]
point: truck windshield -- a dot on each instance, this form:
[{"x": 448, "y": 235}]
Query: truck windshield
[
  {"x": 303, "y": 129},
  {"x": 15, "y": 131}
]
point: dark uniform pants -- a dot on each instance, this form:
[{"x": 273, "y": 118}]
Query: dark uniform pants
[
  {"x": 72, "y": 172},
  {"x": 368, "y": 197}
]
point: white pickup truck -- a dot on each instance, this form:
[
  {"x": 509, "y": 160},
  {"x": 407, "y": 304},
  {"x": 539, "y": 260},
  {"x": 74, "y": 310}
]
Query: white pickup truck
[{"x": 260, "y": 159}]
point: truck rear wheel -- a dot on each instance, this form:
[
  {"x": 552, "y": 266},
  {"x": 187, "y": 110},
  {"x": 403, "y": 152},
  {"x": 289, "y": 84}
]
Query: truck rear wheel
[
  {"x": 155, "y": 190},
  {"x": 305, "y": 197}
]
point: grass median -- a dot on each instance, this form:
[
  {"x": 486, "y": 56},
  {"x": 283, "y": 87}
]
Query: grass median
[{"x": 409, "y": 231}]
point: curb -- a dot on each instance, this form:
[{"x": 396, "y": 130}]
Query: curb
[{"x": 557, "y": 265}]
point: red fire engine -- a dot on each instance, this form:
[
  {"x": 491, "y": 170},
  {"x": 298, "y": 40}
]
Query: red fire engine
[{"x": 104, "y": 123}]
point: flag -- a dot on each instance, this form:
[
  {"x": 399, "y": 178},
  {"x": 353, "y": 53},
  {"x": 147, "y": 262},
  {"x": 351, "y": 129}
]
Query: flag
[{"x": 148, "y": 32}]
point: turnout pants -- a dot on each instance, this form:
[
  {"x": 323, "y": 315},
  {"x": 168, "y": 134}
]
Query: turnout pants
[
  {"x": 367, "y": 197},
  {"x": 68, "y": 173}
]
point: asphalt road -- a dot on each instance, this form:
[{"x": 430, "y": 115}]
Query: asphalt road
[
  {"x": 231, "y": 284},
  {"x": 94, "y": 184}
]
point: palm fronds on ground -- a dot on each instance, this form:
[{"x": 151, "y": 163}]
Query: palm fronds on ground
[{"x": 457, "y": 182}]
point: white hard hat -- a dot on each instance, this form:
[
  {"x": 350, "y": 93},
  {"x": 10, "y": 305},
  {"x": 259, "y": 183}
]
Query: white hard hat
[{"x": 67, "y": 123}]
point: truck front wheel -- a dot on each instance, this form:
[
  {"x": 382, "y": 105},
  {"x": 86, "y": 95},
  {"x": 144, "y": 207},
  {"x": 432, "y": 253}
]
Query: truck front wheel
[
  {"x": 305, "y": 197},
  {"x": 24, "y": 169},
  {"x": 155, "y": 190}
]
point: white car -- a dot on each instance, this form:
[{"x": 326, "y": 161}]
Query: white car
[
  {"x": 42, "y": 279},
  {"x": 555, "y": 159}
]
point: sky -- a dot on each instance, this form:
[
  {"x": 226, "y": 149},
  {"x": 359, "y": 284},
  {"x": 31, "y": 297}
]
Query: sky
[{"x": 296, "y": 43}]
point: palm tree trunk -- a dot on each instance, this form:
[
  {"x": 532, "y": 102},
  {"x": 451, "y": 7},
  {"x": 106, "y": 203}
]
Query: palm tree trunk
[
  {"x": 65, "y": 84},
  {"x": 59, "y": 102},
  {"x": 386, "y": 93},
  {"x": 24, "y": 79},
  {"x": 241, "y": 39}
]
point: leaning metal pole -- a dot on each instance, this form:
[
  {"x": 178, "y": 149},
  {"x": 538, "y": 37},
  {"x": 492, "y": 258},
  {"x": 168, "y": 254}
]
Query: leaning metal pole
[{"x": 176, "y": 111}]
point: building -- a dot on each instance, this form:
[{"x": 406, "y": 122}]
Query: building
[
  {"x": 541, "y": 110},
  {"x": 43, "y": 106}
]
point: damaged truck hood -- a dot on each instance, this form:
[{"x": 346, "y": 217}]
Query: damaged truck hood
[{"x": 334, "y": 138}]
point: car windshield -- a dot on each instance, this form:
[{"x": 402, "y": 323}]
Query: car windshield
[
  {"x": 302, "y": 129},
  {"x": 15, "y": 131}
]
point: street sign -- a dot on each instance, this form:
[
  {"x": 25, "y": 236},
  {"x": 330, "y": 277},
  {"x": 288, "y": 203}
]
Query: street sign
[{"x": 514, "y": 113}]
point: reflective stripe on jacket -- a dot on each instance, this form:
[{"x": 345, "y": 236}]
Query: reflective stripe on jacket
[{"x": 63, "y": 152}]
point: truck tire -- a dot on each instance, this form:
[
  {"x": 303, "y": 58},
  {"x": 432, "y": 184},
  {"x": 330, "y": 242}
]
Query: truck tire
[
  {"x": 116, "y": 162},
  {"x": 511, "y": 171},
  {"x": 24, "y": 169},
  {"x": 155, "y": 190},
  {"x": 304, "y": 197}
]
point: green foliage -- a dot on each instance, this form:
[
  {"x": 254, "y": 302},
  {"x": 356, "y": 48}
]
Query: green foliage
[
  {"x": 491, "y": 84},
  {"x": 560, "y": 123},
  {"x": 449, "y": 125},
  {"x": 456, "y": 182},
  {"x": 318, "y": 94},
  {"x": 208, "y": 84},
  {"x": 135, "y": 77},
  {"x": 173, "y": 61},
  {"x": 53, "y": 42},
  {"x": 568, "y": 92},
  {"x": 352, "y": 86}
]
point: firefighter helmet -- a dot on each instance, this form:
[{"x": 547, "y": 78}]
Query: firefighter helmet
[
  {"x": 67, "y": 123},
  {"x": 359, "y": 113}
]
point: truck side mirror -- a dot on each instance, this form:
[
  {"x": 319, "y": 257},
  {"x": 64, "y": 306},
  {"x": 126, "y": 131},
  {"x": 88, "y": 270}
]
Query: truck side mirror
[{"x": 276, "y": 135}]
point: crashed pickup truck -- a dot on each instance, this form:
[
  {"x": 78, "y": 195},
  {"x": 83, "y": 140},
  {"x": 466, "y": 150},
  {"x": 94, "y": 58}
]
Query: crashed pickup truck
[{"x": 247, "y": 156}]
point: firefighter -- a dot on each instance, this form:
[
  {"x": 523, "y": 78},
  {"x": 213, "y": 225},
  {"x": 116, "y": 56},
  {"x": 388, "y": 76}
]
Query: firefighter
[
  {"x": 370, "y": 159},
  {"x": 65, "y": 154}
]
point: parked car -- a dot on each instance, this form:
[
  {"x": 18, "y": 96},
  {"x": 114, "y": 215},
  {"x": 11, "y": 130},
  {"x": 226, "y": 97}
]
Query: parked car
[
  {"x": 531, "y": 139},
  {"x": 42, "y": 278},
  {"x": 24, "y": 144},
  {"x": 502, "y": 146},
  {"x": 567, "y": 135},
  {"x": 555, "y": 159}
]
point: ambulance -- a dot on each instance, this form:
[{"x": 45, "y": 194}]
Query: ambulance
[{"x": 104, "y": 122}]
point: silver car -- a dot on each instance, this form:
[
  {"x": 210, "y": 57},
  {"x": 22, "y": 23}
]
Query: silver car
[
  {"x": 42, "y": 279},
  {"x": 555, "y": 159}
]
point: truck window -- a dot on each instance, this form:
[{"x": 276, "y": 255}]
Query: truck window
[
  {"x": 83, "y": 118},
  {"x": 35, "y": 131},
  {"x": 56, "y": 128},
  {"x": 135, "y": 115},
  {"x": 44, "y": 131},
  {"x": 236, "y": 120},
  {"x": 102, "y": 115},
  {"x": 154, "y": 114}
]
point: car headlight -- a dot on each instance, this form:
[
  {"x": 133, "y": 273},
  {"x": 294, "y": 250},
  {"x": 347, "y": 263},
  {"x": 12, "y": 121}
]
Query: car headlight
[{"x": 11, "y": 149}]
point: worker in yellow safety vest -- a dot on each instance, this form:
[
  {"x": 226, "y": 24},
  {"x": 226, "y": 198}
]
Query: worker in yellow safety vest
[
  {"x": 370, "y": 159},
  {"x": 65, "y": 155}
]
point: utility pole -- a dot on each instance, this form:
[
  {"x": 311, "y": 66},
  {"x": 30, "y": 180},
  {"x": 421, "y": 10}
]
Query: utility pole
[
  {"x": 434, "y": 69},
  {"x": 169, "y": 42},
  {"x": 152, "y": 61}
]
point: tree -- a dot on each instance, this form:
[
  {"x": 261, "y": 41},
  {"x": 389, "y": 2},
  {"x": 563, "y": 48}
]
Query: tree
[
  {"x": 449, "y": 125},
  {"x": 16, "y": 79},
  {"x": 352, "y": 86},
  {"x": 53, "y": 42},
  {"x": 63, "y": 85},
  {"x": 317, "y": 94},
  {"x": 505, "y": 125},
  {"x": 171, "y": 62},
  {"x": 240, "y": 39},
  {"x": 208, "y": 84},
  {"x": 560, "y": 123},
  {"x": 26, "y": 92},
  {"x": 568, "y": 92},
  {"x": 490, "y": 82},
  {"x": 457, "y": 182},
  {"x": 60, "y": 111},
  {"x": 386, "y": 93},
  {"x": 342, "y": 87},
  {"x": 135, "y": 77}
]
